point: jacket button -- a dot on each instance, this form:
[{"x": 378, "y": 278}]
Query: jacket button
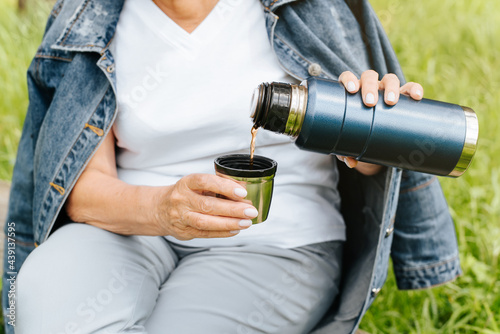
[
  {"x": 375, "y": 291},
  {"x": 314, "y": 69},
  {"x": 389, "y": 231},
  {"x": 110, "y": 68}
]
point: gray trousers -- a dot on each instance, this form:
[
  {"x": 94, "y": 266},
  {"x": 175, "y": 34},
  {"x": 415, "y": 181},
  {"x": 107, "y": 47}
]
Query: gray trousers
[{"x": 87, "y": 280}]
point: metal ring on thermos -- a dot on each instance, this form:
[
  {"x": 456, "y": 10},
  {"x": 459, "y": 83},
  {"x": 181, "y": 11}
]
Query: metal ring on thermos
[{"x": 470, "y": 144}]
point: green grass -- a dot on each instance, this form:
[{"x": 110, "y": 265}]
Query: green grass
[
  {"x": 452, "y": 47},
  {"x": 20, "y": 36}
]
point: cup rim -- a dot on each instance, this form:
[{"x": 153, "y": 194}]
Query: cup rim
[{"x": 269, "y": 168}]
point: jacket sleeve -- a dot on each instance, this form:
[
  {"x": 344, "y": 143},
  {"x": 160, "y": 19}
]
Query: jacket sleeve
[
  {"x": 19, "y": 225},
  {"x": 424, "y": 249},
  {"x": 20, "y": 217}
]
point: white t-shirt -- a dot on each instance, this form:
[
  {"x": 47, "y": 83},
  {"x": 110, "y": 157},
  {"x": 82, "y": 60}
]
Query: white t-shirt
[{"x": 184, "y": 99}]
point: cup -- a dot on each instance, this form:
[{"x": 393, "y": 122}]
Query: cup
[{"x": 258, "y": 179}]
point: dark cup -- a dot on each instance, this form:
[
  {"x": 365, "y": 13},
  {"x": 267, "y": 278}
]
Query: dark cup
[{"x": 258, "y": 178}]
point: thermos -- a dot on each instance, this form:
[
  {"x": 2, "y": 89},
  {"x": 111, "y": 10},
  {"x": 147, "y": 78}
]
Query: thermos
[{"x": 426, "y": 136}]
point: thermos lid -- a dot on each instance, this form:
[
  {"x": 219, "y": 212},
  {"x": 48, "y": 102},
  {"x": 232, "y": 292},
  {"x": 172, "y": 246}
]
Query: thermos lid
[{"x": 270, "y": 106}]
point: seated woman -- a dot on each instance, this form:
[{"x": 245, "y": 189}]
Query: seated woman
[{"x": 131, "y": 101}]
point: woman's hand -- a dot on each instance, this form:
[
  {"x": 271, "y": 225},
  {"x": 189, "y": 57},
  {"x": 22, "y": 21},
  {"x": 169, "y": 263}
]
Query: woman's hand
[
  {"x": 184, "y": 211},
  {"x": 370, "y": 85}
]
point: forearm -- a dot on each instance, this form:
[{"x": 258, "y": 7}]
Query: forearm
[{"x": 105, "y": 201}]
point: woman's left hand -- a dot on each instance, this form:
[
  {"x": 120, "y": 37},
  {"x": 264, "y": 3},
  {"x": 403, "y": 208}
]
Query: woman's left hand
[{"x": 370, "y": 85}]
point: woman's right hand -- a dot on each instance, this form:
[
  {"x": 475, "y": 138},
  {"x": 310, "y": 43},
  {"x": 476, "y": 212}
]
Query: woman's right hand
[{"x": 185, "y": 211}]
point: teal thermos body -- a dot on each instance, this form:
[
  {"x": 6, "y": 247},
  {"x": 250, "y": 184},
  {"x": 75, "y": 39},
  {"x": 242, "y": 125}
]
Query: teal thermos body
[{"x": 427, "y": 136}]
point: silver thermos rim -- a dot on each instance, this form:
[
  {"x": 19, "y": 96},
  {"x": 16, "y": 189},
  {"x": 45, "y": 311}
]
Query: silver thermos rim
[{"x": 470, "y": 144}]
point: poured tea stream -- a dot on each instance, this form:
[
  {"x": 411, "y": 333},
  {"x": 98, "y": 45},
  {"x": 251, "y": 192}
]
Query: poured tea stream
[{"x": 252, "y": 144}]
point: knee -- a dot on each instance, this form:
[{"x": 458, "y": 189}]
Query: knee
[
  {"x": 54, "y": 278},
  {"x": 31, "y": 273},
  {"x": 47, "y": 267},
  {"x": 87, "y": 278},
  {"x": 30, "y": 289}
]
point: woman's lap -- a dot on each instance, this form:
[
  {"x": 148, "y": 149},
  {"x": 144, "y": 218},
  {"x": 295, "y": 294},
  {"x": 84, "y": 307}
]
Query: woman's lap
[
  {"x": 86, "y": 280},
  {"x": 83, "y": 279}
]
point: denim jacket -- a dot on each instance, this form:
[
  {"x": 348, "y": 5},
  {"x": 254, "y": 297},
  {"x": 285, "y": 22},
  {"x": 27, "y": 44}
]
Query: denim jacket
[{"x": 71, "y": 84}]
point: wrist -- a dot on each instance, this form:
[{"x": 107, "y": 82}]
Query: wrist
[
  {"x": 138, "y": 210},
  {"x": 152, "y": 208}
]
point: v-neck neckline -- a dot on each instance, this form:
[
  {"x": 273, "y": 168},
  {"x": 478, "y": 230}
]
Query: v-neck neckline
[
  {"x": 164, "y": 13},
  {"x": 172, "y": 33}
]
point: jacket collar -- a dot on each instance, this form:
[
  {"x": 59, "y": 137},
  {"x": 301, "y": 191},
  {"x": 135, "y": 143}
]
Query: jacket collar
[
  {"x": 93, "y": 24},
  {"x": 91, "y": 27},
  {"x": 272, "y": 5}
]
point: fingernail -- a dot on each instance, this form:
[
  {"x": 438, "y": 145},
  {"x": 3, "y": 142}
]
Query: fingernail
[
  {"x": 245, "y": 223},
  {"x": 234, "y": 232},
  {"x": 418, "y": 92},
  {"x": 251, "y": 212},
  {"x": 391, "y": 97},
  {"x": 347, "y": 162},
  {"x": 351, "y": 86},
  {"x": 240, "y": 192},
  {"x": 369, "y": 98}
]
